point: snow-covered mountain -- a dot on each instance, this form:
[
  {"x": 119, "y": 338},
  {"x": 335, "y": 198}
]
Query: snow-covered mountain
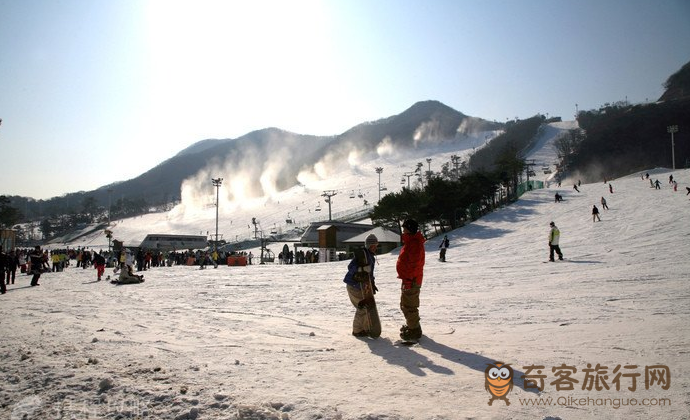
[{"x": 354, "y": 180}]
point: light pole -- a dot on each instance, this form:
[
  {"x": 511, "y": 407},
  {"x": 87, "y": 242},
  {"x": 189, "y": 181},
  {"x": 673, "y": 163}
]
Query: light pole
[
  {"x": 216, "y": 183},
  {"x": 673, "y": 129},
  {"x": 378, "y": 171},
  {"x": 456, "y": 162},
  {"x": 110, "y": 200},
  {"x": 428, "y": 173},
  {"x": 421, "y": 176}
]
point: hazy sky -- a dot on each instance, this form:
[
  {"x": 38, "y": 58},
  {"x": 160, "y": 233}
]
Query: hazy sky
[{"x": 93, "y": 92}]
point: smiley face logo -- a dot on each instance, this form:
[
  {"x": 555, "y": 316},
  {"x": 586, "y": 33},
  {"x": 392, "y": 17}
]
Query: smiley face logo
[{"x": 498, "y": 381}]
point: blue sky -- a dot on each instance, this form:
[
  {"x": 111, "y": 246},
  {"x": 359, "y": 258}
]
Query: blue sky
[{"x": 93, "y": 92}]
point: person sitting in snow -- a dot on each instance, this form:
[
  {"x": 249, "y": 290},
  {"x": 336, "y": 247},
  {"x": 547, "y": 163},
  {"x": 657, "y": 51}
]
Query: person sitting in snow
[{"x": 127, "y": 275}]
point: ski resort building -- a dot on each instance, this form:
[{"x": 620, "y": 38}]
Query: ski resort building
[{"x": 333, "y": 237}]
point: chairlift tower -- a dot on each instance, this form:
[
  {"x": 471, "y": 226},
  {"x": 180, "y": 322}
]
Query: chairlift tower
[
  {"x": 328, "y": 195},
  {"x": 408, "y": 175},
  {"x": 259, "y": 234}
]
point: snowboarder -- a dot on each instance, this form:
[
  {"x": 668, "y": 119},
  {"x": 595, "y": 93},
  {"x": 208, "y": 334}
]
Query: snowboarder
[
  {"x": 595, "y": 214},
  {"x": 410, "y": 268},
  {"x": 554, "y": 237},
  {"x": 603, "y": 204},
  {"x": 361, "y": 288},
  {"x": 575, "y": 188},
  {"x": 558, "y": 198},
  {"x": 444, "y": 246},
  {"x": 657, "y": 184}
]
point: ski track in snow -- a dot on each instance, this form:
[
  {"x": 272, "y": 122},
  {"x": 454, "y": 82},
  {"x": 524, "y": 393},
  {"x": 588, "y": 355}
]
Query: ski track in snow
[{"x": 273, "y": 341}]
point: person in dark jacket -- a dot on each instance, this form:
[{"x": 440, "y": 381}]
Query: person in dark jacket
[
  {"x": 410, "y": 268},
  {"x": 3, "y": 266},
  {"x": 445, "y": 243},
  {"x": 595, "y": 214},
  {"x": 358, "y": 289},
  {"x": 12, "y": 264},
  {"x": 36, "y": 257}
]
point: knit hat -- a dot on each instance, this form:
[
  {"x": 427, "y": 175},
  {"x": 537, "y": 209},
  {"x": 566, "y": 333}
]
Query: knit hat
[
  {"x": 411, "y": 225},
  {"x": 371, "y": 240}
]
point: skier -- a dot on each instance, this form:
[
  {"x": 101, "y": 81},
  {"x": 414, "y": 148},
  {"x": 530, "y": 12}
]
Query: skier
[
  {"x": 595, "y": 214},
  {"x": 575, "y": 188},
  {"x": 611, "y": 188},
  {"x": 657, "y": 184},
  {"x": 444, "y": 246},
  {"x": 554, "y": 237},
  {"x": 410, "y": 268},
  {"x": 358, "y": 288},
  {"x": 603, "y": 204}
]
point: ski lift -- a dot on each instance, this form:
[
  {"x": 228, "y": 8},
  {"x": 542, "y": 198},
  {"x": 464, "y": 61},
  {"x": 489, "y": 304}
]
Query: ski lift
[
  {"x": 352, "y": 194},
  {"x": 318, "y": 207},
  {"x": 274, "y": 230},
  {"x": 384, "y": 188},
  {"x": 360, "y": 195},
  {"x": 289, "y": 219},
  {"x": 402, "y": 181}
]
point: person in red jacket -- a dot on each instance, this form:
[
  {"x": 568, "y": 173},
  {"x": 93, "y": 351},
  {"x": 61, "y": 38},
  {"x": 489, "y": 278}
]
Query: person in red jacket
[{"x": 410, "y": 268}]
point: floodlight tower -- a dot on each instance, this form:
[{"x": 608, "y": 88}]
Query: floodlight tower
[
  {"x": 216, "y": 183},
  {"x": 673, "y": 129},
  {"x": 378, "y": 171},
  {"x": 428, "y": 173}
]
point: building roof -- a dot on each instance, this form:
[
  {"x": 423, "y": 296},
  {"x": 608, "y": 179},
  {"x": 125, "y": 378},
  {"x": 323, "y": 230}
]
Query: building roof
[
  {"x": 345, "y": 231},
  {"x": 383, "y": 235}
]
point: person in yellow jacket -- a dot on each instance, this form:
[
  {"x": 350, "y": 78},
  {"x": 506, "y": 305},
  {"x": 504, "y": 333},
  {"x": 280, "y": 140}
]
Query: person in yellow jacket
[
  {"x": 554, "y": 237},
  {"x": 55, "y": 259}
]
